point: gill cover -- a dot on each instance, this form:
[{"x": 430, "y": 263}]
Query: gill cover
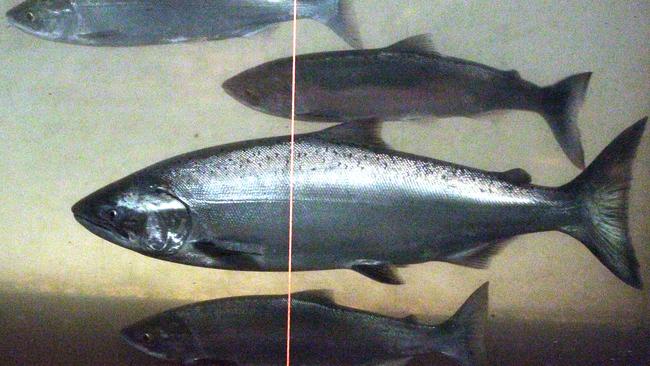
[{"x": 167, "y": 222}]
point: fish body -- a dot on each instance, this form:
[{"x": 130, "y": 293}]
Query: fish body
[
  {"x": 357, "y": 205},
  {"x": 252, "y": 331},
  {"x": 404, "y": 81},
  {"x": 147, "y": 22}
]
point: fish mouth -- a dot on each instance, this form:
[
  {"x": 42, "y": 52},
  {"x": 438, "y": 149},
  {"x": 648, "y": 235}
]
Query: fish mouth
[
  {"x": 25, "y": 28},
  {"x": 104, "y": 231},
  {"x": 12, "y": 19}
]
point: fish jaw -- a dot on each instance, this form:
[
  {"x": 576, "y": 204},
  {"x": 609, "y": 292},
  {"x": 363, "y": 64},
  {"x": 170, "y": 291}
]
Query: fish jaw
[
  {"x": 83, "y": 213},
  {"x": 103, "y": 231}
]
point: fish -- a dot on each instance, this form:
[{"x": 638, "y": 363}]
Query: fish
[
  {"x": 406, "y": 81},
  {"x": 252, "y": 330},
  {"x": 357, "y": 204},
  {"x": 147, "y": 22}
]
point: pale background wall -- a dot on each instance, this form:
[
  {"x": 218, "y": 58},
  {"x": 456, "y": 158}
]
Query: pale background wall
[{"x": 73, "y": 119}]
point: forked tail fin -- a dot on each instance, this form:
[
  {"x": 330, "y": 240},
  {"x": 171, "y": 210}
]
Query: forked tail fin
[
  {"x": 602, "y": 194},
  {"x": 340, "y": 18},
  {"x": 464, "y": 332},
  {"x": 561, "y": 103}
]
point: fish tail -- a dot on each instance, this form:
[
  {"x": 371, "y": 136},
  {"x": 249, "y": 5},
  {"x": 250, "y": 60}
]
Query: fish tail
[
  {"x": 601, "y": 192},
  {"x": 464, "y": 332},
  {"x": 340, "y": 18},
  {"x": 561, "y": 103}
]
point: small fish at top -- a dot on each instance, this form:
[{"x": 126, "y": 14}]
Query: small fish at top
[
  {"x": 404, "y": 81},
  {"x": 252, "y": 330},
  {"x": 148, "y": 22},
  {"x": 357, "y": 205}
]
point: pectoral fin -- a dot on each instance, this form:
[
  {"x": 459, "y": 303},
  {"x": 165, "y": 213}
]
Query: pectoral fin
[
  {"x": 230, "y": 254},
  {"x": 377, "y": 270},
  {"x": 230, "y": 247},
  {"x": 107, "y": 35}
]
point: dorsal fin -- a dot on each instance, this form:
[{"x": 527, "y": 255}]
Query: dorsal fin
[
  {"x": 420, "y": 44},
  {"x": 320, "y": 296},
  {"x": 410, "y": 319},
  {"x": 516, "y": 176},
  {"x": 513, "y": 74},
  {"x": 364, "y": 133}
]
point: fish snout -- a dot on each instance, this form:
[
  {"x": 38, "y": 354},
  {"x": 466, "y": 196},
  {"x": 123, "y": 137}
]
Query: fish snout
[
  {"x": 13, "y": 15},
  {"x": 23, "y": 18},
  {"x": 239, "y": 90},
  {"x": 80, "y": 210}
]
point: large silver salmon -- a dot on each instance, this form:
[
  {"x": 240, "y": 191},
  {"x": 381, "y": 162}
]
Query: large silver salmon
[
  {"x": 146, "y": 22},
  {"x": 407, "y": 80},
  {"x": 358, "y": 205},
  {"x": 252, "y": 330}
]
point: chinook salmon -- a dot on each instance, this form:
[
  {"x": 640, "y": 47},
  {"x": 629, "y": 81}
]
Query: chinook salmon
[
  {"x": 357, "y": 205},
  {"x": 252, "y": 331},
  {"x": 404, "y": 81},
  {"x": 147, "y": 22}
]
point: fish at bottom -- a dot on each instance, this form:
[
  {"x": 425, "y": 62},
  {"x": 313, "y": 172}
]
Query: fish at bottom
[{"x": 252, "y": 330}]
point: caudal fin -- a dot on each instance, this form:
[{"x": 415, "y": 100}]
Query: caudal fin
[
  {"x": 602, "y": 194},
  {"x": 341, "y": 20},
  {"x": 561, "y": 104},
  {"x": 464, "y": 332}
]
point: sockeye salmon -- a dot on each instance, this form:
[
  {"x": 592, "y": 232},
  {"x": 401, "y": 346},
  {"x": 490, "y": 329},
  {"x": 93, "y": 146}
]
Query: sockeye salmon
[
  {"x": 147, "y": 22},
  {"x": 357, "y": 205},
  {"x": 404, "y": 81},
  {"x": 252, "y": 331}
]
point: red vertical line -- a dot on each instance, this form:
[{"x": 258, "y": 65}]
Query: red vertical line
[{"x": 291, "y": 174}]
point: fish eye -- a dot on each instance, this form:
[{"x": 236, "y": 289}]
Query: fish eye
[
  {"x": 112, "y": 214},
  {"x": 147, "y": 337},
  {"x": 30, "y": 16}
]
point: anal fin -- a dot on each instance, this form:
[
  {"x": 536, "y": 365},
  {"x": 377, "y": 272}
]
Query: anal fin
[
  {"x": 379, "y": 271},
  {"x": 477, "y": 257}
]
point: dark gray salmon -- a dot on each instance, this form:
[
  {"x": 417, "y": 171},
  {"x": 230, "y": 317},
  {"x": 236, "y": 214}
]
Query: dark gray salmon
[
  {"x": 147, "y": 22},
  {"x": 407, "y": 80},
  {"x": 358, "y": 205},
  {"x": 252, "y": 331}
]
